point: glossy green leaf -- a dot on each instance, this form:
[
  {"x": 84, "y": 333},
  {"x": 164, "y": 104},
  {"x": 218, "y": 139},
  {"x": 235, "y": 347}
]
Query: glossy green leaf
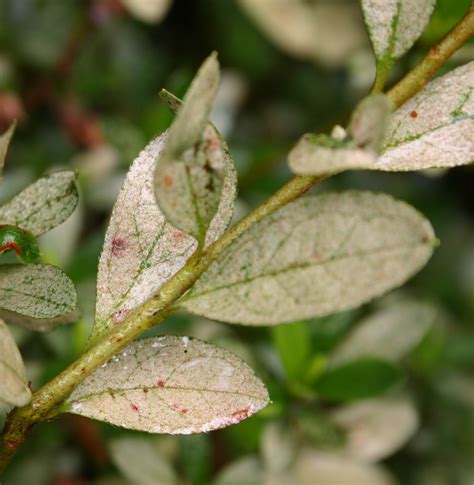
[
  {"x": 358, "y": 379},
  {"x": 170, "y": 385},
  {"x": 293, "y": 344},
  {"x": 13, "y": 383},
  {"x": 316, "y": 256},
  {"x": 42, "y": 205}
]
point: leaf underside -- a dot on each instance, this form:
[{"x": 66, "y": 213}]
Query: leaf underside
[{"x": 171, "y": 385}]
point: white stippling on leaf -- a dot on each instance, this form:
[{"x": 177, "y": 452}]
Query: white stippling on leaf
[
  {"x": 434, "y": 129},
  {"x": 377, "y": 428},
  {"x": 395, "y": 25},
  {"x": 13, "y": 383},
  {"x": 357, "y": 147},
  {"x": 314, "y": 257},
  {"x": 141, "y": 250},
  {"x": 390, "y": 333},
  {"x": 177, "y": 388},
  {"x": 36, "y": 291},
  {"x": 44, "y": 204},
  {"x": 195, "y": 171},
  {"x": 39, "y": 324}
]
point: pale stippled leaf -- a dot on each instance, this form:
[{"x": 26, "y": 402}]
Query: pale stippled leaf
[
  {"x": 356, "y": 148},
  {"x": 326, "y": 32},
  {"x": 5, "y": 139},
  {"x": 191, "y": 173},
  {"x": 150, "y": 11},
  {"x": 391, "y": 333},
  {"x": 332, "y": 469},
  {"x": 170, "y": 385},
  {"x": 39, "y": 324},
  {"x": 434, "y": 129},
  {"x": 141, "y": 462},
  {"x": 247, "y": 470},
  {"x": 36, "y": 291},
  {"x": 172, "y": 101},
  {"x": 278, "y": 446},
  {"x": 394, "y": 26},
  {"x": 141, "y": 250},
  {"x": 43, "y": 205},
  {"x": 13, "y": 383},
  {"x": 377, "y": 428},
  {"x": 314, "y": 257}
]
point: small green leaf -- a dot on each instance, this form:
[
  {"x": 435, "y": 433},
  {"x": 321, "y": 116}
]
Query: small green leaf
[
  {"x": 172, "y": 101},
  {"x": 36, "y": 291},
  {"x": 190, "y": 177},
  {"x": 13, "y": 383},
  {"x": 195, "y": 457},
  {"x": 170, "y": 385},
  {"x": 316, "y": 256},
  {"x": 43, "y": 205},
  {"x": 394, "y": 26},
  {"x": 22, "y": 242},
  {"x": 5, "y": 139},
  {"x": 359, "y": 379},
  {"x": 293, "y": 344}
]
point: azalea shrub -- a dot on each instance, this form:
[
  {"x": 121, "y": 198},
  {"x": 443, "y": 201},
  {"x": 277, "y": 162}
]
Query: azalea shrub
[{"x": 238, "y": 330}]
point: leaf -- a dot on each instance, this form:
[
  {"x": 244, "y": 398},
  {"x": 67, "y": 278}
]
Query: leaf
[
  {"x": 5, "y": 139},
  {"x": 43, "y": 205},
  {"x": 190, "y": 175},
  {"x": 358, "y": 379},
  {"x": 315, "y": 256},
  {"x": 391, "y": 333},
  {"x": 141, "y": 250},
  {"x": 435, "y": 128},
  {"x": 39, "y": 324},
  {"x": 377, "y": 428},
  {"x": 278, "y": 445},
  {"x": 172, "y": 101},
  {"x": 13, "y": 384},
  {"x": 247, "y": 470},
  {"x": 332, "y": 469},
  {"x": 307, "y": 30},
  {"x": 140, "y": 461},
  {"x": 22, "y": 242},
  {"x": 170, "y": 385},
  {"x": 358, "y": 148},
  {"x": 394, "y": 26},
  {"x": 293, "y": 344},
  {"x": 36, "y": 291},
  {"x": 149, "y": 11}
]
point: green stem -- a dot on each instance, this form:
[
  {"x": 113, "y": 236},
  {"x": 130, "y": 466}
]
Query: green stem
[
  {"x": 42, "y": 405},
  {"x": 415, "y": 80}
]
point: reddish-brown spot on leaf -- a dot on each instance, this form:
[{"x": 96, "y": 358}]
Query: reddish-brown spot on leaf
[
  {"x": 119, "y": 246},
  {"x": 176, "y": 405},
  {"x": 184, "y": 411},
  {"x": 119, "y": 315},
  {"x": 178, "y": 236},
  {"x": 145, "y": 390},
  {"x": 134, "y": 407},
  {"x": 160, "y": 383},
  {"x": 240, "y": 415},
  {"x": 168, "y": 181},
  {"x": 413, "y": 114}
]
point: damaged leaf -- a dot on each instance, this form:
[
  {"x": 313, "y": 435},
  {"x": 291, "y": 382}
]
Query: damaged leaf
[
  {"x": 13, "y": 383},
  {"x": 43, "y": 205},
  {"x": 171, "y": 385},
  {"x": 22, "y": 242},
  {"x": 316, "y": 256},
  {"x": 141, "y": 250},
  {"x": 191, "y": 172}
]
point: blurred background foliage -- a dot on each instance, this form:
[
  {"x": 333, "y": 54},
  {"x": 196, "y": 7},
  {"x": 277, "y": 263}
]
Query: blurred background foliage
[{"x": 82, "y": 78}]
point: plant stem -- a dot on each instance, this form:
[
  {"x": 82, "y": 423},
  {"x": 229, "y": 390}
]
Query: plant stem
[
  {"x": 46, "y": 399},
  {"x": 414, "y": 81}
]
